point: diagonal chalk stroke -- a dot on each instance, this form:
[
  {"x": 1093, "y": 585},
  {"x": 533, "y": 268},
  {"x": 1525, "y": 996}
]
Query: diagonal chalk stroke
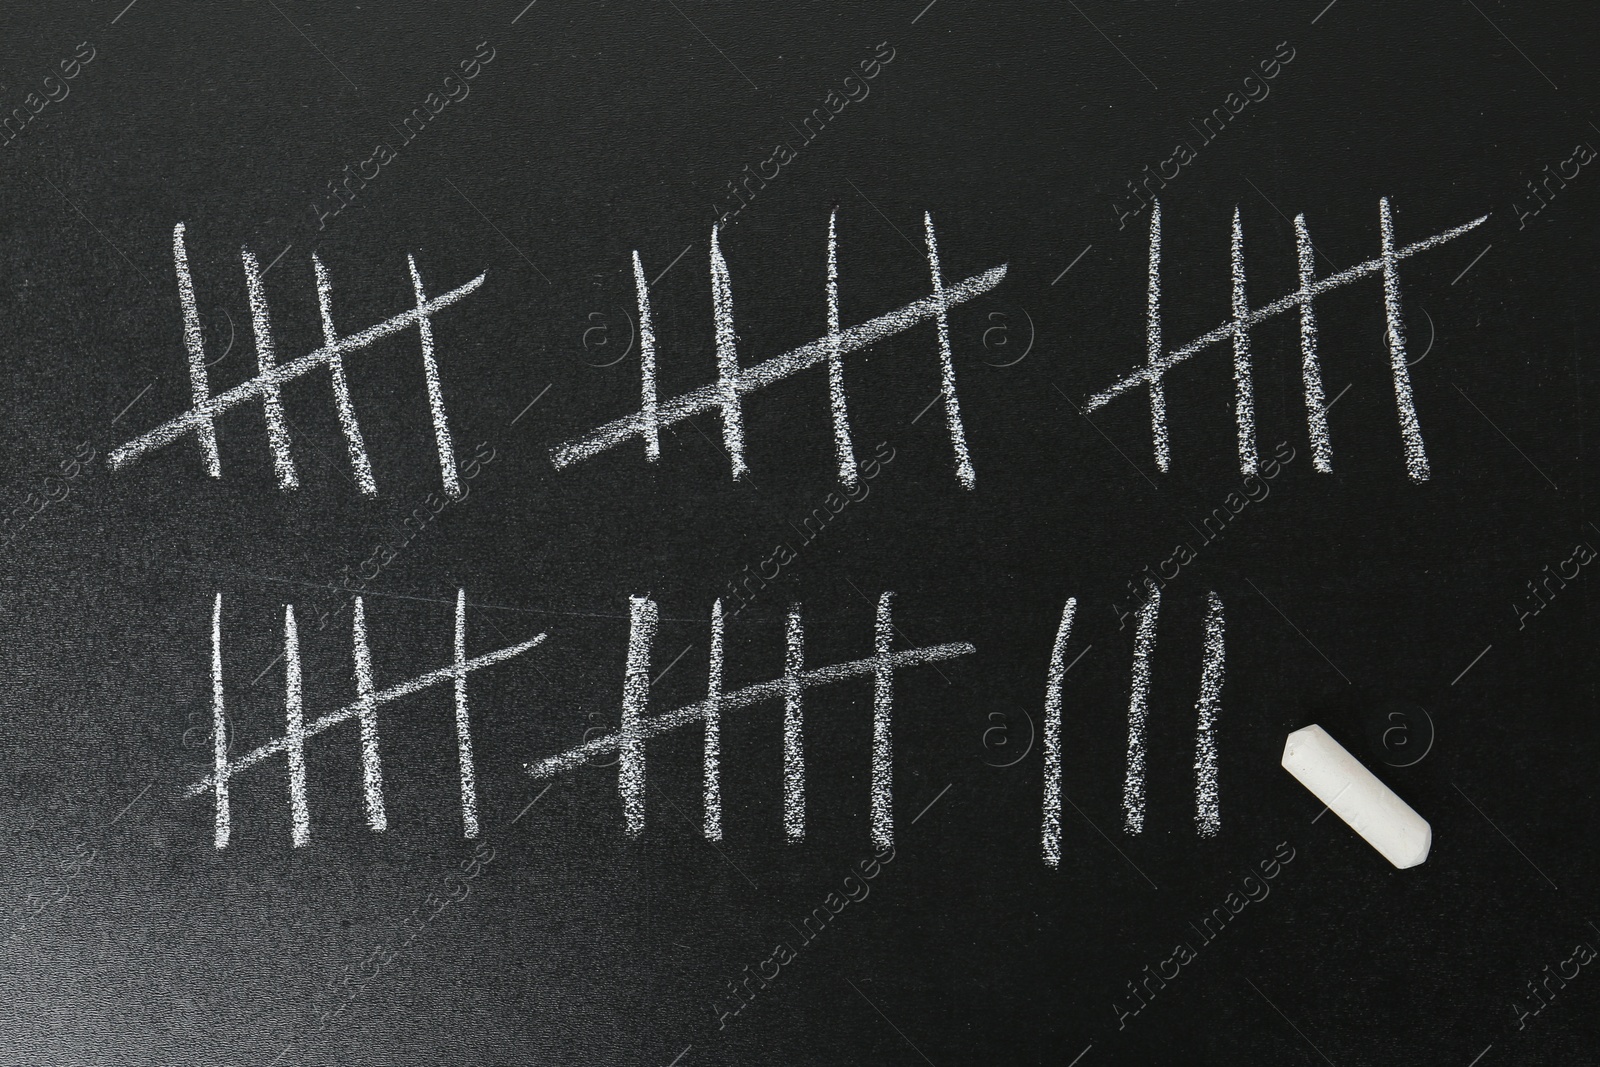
[
  {"x": 734, "y": 382},
  {"x": 1159, "y": 362},
  {"x": 200, "y": 419}
]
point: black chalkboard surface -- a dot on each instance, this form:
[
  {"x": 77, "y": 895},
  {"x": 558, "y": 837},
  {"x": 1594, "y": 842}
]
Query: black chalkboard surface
[{"x": 683, "y": 534}]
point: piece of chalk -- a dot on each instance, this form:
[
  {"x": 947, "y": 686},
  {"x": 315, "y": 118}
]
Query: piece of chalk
[{"x": 1351, "y": 792}]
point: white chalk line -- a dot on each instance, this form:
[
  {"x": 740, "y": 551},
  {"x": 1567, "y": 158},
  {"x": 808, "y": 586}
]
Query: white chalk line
[
  {"x": 1410, "y": 428},
  {"x": 468, "y": 769},
  {"x": 1244, "y": 402},
  {"x": 749, "y": 696},
  {"x": 1310, "y": 366},
  {"x": 761, "y": 375},
  {"x": 272, "y": 401},
  {"x": 794, "y": 759},
  {"x": 353, "y": 710},
  {"x": 1153, "y": 347},
  {"x": 294, "y": 739},
  {"x": 882, "y": 789},
  {"x": 1208, "y": 811},
  {"x": 1052, "y": 735},
  {"x": 712, "y": 765},
  {"x": 844, "y": 452},
  {"x": 1277, "y": 307},
  {"x": 635, "y": 695},
  {"x": 647, "y": 364},
  {"x": 198, "y": 419},
  {"x": 194, "y": 342},
  {"x": 728, "y": 375},
  {"x": 359, "y": 460},
  {"x": 430, "y": 370},
  {"x": 1138, "y": 696},
  {"x": 947, "y": 368}
]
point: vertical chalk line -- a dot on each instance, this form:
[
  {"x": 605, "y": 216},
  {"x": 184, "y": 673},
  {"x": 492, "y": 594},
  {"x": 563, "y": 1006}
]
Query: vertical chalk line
[
  {"x": 1410, "y": 429},
  {"x": 1144, "y": 643},
  {"x": 341, "y": 384},
  {"x": 1052, "y": 736},
  {"x": 1055, "y": 679},
  {"x": 205, "y": 430},
  {"x": 469, "y": 774},
  {"x": 1310, "y": 367},
  {"x": 1207, "y": 808},
  {"x": 1153, "y": 351},
  {"x": 794, "y": 760},
  {"x": 727, "y": 359},
  {"x": 882, "y": 811},
  {"x": 947, "y": 368},
  {"x": 219, "y": 730},
  {"x": 430, "y": 369},
  {"x": 713, "y": 756},
  {"x": 635, "y": 695},
  {"x": 271, "y": 397},
  {"x": 844, "y": 451},
  {"x": 1244, "y": 400},
  {"x": 295, "y": 736},
  {"x": 367, "y": 711},
  {"x": 647, "y": 365}
]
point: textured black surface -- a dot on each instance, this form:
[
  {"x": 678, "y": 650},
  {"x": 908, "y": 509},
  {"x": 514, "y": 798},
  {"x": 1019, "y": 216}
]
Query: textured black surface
[{"x": 597, "y": 129}]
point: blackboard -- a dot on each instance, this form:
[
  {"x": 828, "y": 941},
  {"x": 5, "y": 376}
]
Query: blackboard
[{"x": 430, "y": 869}]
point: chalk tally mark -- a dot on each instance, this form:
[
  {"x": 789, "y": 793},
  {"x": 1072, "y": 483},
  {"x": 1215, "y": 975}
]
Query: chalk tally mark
[
  {"x": 1207, "y": 807},
  {"x": 1052, "y": 737},
  {"x": 1208, "y": 811},
  {"x": 200, "y": 420},
  {"x": 1158, "y": 360},
  {"x": 364, "y": 709},
  {"x": 637, "y": 727},
  {"x": 726, "y": 395}
]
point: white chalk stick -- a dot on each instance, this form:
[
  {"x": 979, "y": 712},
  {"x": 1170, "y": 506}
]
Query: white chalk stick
[{"x": 1351, "y": 792}]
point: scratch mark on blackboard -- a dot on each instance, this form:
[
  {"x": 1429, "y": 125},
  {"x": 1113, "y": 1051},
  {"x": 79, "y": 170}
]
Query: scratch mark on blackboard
[
  {"x": 1074, "y": 263},
  {"x": 1474, "y": 263},
  {"x": 669, "y": 266},
  {"x": 529, "y": 806},
  {"x": 1502, "y": 833},
  {"x": 1502, "y": 433},
  {"x": 134, "y": 401},
  {"x": 886, "y": 1019},
  {"x": 1299, "y": 631},
  {"x": 1286, "y": 1019},
  {"x": 930, "y": 804},
  {"x": 1473, "y": 664},
  {"x": 532, "y": 402},
  {"x": 1513, "y": 44},
  {"x": 1113, "y": 44}
]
